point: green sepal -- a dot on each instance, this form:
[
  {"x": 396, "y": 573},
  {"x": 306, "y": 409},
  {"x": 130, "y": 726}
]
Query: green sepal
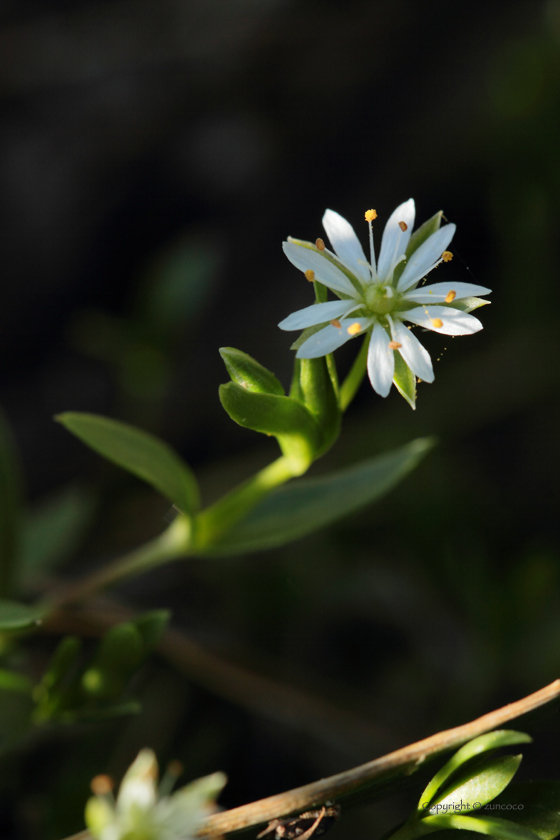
[
  {"x": 307, "y": 333},
  {"x": 139, "y": 452},
  {"x": 405, "y": 381},
  {"x": 468, "y": 304},
  {"x": 249, "y": 373},
  {"x": 418, "y": 238},
  {"x": 283, "y": 417}
]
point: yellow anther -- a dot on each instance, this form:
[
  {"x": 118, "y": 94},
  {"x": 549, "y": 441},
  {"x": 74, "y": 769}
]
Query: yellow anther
[
  {"x": 437, "y": 322},
  {"x": 310, "y": 275},
  {"x": 371, "y": 215},
  {"x": 320, "y": 244},
  {"x": 403, "y": 226},
  {"x": 394, "y": 345},
  {"x": 447, "y": 256},
  {"x": 336, "y": 323},
  {"x": 354, "y": 328},
  {"x": 102, "y": 785},
  {"x": 450, "y": 296}
]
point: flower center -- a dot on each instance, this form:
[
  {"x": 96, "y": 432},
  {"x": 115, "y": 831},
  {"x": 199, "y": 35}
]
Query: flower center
[{"x": 380, "y": 299}]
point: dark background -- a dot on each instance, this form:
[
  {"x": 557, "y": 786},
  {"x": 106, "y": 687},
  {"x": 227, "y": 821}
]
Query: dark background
[{"x": 153, "y": 156}]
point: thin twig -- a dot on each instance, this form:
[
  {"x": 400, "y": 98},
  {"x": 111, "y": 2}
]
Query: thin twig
[{"x": 410, "y": 757}]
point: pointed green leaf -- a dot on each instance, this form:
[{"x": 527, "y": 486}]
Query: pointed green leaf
[
  {"x": 15, "y": 616},
  {"x": 478, "y": 746},
  {"x": 493, "y": 826},
  {"x": 474, "y": 785},
  {"x": 142, "y": 454},
  {"x": 405, "y": 380},
  {"x": 307, "y": 505},
  {"x": 249, "y": 373}
]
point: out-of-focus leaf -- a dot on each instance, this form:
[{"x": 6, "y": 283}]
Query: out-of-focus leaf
[
  {"x": 15, "y": 616},
  {"x": 306, "y": 505},
  {"x": 10, "y": 681},
  {"x": 10, "y": 508},
  {"x": 54, "y": 529},
  {"x": 16, "y": 707},
  {"x": 534, "y": 805},
  {"x": 478, "y": 746},
  {"x": 140, "y": 453},
  {"x": 184, "y": 279},
  {"x": 151, "y": 627}
]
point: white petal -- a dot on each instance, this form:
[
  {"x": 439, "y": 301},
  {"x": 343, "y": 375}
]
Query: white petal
[
  {"x": 380, "y": 361},
  {"x": 330, "y": 338},
  {"x": 395, "y": 240},
  {"x": 437, "y": 292},
  {"x": 453, "y": 321},
  {"x": 345, "y": 243},
  {"x": 415, "y": 354},
  {"x": 327, "y": 273},
  {"x": 318, "y": 313},
  {"x": 425, "y": 257}
]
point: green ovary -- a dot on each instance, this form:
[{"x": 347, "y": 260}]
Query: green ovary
[{"x": 381, "y": 299}]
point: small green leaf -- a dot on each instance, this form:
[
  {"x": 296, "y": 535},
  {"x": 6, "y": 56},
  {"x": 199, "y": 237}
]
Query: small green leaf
[
  {"x": 140, "y": 453},
  {"x": 493, "y": 826},
  {"x": 306, "y": 505},
  {"x": 15, "y": 616},
  {"x": 478, "y": 746},
  {"x": 405, "y": 380},
  {"x": 474, "y": 785},
  {"x": 284, "y": 418},
  {"x": 249, "y": 373}
]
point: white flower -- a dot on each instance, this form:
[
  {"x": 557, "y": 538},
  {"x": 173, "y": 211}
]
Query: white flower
[
  {"x": 376, "y": 298},
  {"x": 144, "y": 812}
]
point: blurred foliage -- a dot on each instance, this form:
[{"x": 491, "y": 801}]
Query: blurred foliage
[{"x": 153, "y": 157}]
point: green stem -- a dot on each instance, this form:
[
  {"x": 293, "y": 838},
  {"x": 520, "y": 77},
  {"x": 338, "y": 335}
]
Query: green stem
[
  {"x": 173, "y": 543},
  {"x": 221, "y": 516},
  {"x": 353, "y": 381}
]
